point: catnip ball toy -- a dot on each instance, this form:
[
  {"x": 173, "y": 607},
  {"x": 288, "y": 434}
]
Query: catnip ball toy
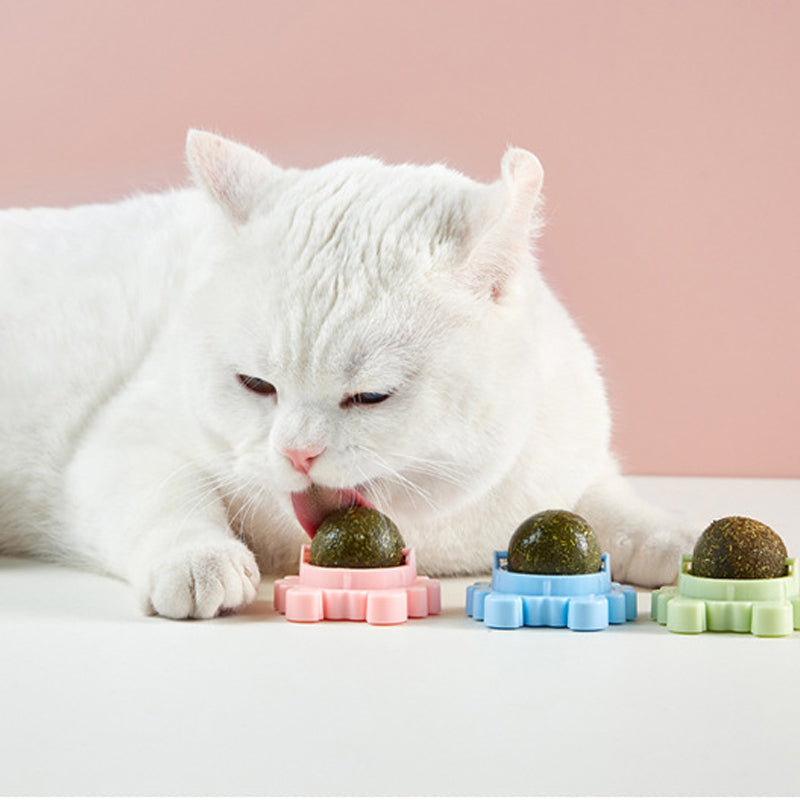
[
  {"x": 739, "y": 547},
  {"x": 357, "y": 537},
  {"x": 554, "y": 542}
]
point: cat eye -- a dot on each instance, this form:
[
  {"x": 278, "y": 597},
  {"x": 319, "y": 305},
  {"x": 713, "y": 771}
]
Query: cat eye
[
  {"x": 257, "y": 385},
  {"x": 364, "y": 399}
]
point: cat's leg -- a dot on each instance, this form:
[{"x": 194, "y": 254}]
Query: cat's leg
[
  {"x": 146, "y": 513},
  {"x": 644, "y": 542}
]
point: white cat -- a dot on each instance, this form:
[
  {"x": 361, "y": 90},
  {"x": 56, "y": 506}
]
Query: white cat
[{"x": 188, "y": 377}]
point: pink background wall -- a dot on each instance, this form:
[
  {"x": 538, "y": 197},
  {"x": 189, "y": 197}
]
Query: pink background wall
[{"x": 668, "y": 131}]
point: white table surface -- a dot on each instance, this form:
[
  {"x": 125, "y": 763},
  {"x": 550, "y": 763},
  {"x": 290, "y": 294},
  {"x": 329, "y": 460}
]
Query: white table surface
[{"x": 97, "y": 699}]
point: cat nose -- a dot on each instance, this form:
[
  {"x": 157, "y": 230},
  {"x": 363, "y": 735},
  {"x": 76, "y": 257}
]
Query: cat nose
[{"x": 302, "y": 459}]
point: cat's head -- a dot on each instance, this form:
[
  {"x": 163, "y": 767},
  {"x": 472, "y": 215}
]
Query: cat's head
[{"x": 369, "y": 333}]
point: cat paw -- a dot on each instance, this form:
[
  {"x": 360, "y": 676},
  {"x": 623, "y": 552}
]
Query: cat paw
[
  {"x": 652, "y": 560},
  {"x": 202, "y": 581}
]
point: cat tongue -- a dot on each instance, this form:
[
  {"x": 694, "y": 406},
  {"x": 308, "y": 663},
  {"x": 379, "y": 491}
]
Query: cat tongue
[{"x": 316, "y": 502}]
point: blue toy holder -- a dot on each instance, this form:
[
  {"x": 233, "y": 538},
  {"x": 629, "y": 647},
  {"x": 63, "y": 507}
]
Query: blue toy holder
[{"x": 580, "y": 602}]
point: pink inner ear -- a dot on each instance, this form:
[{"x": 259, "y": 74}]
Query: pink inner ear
[
  {"x": 228, "y": 191},
  {"x": 496, "y": 258},
  {"x": 230, "y": 172},
  {"x": 505, "y": 245},
  {"x": 222, "y": 181}
]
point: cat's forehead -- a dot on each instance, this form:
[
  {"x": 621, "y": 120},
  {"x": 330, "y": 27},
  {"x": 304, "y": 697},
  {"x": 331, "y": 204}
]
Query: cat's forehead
[
  {"x": 349, "y": 288},
  {"x": 361, "y": 210},
  {"x": 341, "y": 340}
]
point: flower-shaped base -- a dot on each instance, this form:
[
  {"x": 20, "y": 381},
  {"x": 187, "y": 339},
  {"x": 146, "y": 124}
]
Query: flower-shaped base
[
  {"x": 382, "y": 596},
  {"x": 579, "y": 602},
  {"x": 764, "y": 607}
]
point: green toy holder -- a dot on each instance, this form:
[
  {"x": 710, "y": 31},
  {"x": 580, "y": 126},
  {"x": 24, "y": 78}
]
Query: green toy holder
[{"x": 764, "y": 607}]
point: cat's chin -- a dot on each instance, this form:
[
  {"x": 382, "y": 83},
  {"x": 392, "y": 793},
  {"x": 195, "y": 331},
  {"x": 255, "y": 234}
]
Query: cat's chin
[{"x": 312, "y": 505}]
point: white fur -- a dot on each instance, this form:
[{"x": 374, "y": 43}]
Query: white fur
[{"x": 129, "y": 445}]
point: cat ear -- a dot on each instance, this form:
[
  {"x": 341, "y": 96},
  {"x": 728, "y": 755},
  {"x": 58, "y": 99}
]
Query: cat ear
[
  {"x": 505, "y": 243},
  {"x": 234, "y": 175}
]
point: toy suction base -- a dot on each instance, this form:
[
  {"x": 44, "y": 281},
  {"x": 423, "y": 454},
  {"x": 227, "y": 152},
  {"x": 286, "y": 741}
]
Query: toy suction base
[
  {"x": 385, "y": 596},
  {"x": 764, "y": 607},
  {"x": 578, "y": 602}
]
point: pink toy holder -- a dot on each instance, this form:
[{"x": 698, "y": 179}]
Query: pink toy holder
[{"x": 383, "y": 596}]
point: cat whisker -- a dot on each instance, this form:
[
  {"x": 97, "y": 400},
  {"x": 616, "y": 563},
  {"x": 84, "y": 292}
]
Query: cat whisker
[
  {"x": 208, "y": 495},
  {"x": 436, "y": 469},
  {"x": 440, "y": 470},
  {"x": 253, "y": 492},
  {"x": 413, "y": 491},
  {"x": 207, "y": 489}
]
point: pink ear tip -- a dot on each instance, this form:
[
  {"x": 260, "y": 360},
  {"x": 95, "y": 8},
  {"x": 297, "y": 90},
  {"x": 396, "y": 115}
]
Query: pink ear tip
[{"x": 522, "y": 168}]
